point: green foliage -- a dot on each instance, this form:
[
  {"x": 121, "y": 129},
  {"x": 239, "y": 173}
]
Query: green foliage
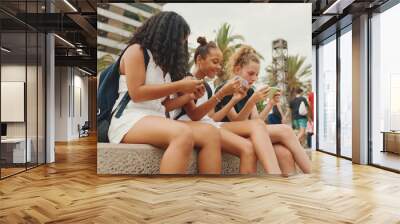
[
  {"x": 227, "y": 43},
  {"x": 104, "y": 62},
  {"x": 260, "y": 106},
  {"x": 298, "y": 76}
]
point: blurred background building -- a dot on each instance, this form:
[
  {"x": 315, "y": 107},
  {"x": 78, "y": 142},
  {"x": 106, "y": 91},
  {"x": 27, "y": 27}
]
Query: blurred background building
[{"x": 116, "y": 23}]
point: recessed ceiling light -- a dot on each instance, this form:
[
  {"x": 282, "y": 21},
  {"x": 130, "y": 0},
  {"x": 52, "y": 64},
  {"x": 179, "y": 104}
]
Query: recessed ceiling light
[
  {"x": 5, "y": 49},
  {"x": 338, "y": 6},
  {"x": 70, "y": 5},
  {"x": 65, "y": 41},
  {"x": 84, "y": 71}
]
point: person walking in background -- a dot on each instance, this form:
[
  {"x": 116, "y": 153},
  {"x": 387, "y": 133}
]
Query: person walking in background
[
  {"x": 299, "y": 109},
  {"x": 310, "y": 132},
  {"x": 310, "y": 123}
]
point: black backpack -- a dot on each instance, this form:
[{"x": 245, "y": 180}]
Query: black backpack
[
  {"x": 107, "y": 94},
  {"x": 209, "y": 95}
]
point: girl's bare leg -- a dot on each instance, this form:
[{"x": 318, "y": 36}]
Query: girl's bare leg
[
  {"x": 207, "y": 139},
  {"x": 283, "y": 134},
  {"x": 261, "y": 142},
  {"x": 176, "y": 137},
  {"x": 285, "y": 159},
  {"x": 241, "y": 147}
]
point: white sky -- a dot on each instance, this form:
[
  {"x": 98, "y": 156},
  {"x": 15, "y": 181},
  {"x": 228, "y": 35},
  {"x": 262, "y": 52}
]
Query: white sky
[{"x": 258, "y": 23}]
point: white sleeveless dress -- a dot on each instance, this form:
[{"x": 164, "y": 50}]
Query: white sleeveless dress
[
  {"x": 206, "y": 119},
  {"x": 135, "y": 111}
]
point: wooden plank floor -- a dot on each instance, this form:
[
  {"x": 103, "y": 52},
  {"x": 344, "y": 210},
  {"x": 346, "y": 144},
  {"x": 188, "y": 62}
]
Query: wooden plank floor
[
  {"x": 10, "y": 171},
  {"x": 69, "y": 191}
]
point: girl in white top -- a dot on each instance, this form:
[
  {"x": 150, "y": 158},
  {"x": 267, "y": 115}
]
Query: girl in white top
[{"x": 164, "y": 36}]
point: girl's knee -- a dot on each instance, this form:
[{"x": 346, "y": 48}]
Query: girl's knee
[
  {"x": 257, "y": 125},
  {"x": 209, "y": 132},
  {"x": 285, "y": 131},
  {"x": 261, "y": 122},
  {"x": 184, "y": 135}
]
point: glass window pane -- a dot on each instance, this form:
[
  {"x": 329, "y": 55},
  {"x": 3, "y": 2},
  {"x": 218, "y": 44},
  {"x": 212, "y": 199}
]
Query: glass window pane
[
  {"x": 31, "y": 98},
  {"x": 14, "y": 153},
  {"x": 23, "y": 86},
  {"x": 327, "y": 97},
  {"x": 346, "y": 94},
  {"x": 386, "y": 89}
]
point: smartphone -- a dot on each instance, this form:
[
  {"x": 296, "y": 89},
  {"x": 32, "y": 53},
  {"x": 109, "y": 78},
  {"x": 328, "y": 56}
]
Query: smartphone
[
  {"x": 272, "y": 92},
  {"x": 243, "y": 82}
]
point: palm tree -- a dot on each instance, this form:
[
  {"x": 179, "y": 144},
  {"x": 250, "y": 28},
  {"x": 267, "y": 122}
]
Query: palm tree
[
  {"x": 104, "y": 62},
  {"x": 272, "y": 78},
  {"x": 225, "y": 42},
  {"x": 297, "y": 76},
  {"x": 260, "y": 106}
]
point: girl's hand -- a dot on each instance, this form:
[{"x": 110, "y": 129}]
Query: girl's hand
[
  {"x": 230, "y": 87},
  {"x": 166, "y": 100},
  {"x": 199, "y": 92},
  {"x": 188, "y": 85},
  {"x": 260, "y": 94},
  {"x": 240, "y": 94}
]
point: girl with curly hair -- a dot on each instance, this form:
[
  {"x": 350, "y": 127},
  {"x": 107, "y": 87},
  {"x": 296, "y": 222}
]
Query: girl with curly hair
[
  {"x": 164, "y": 38},
  {"x": 245, "y": 63}
]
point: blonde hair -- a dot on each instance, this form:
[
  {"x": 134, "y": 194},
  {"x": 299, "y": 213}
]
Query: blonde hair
[{"x": 243, "y": 56}]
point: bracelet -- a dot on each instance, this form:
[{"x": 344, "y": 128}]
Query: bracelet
[{"x": 216, "y": 97}]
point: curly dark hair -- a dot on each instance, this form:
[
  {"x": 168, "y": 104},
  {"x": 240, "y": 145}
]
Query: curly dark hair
[{"x": 165, "y": 35}]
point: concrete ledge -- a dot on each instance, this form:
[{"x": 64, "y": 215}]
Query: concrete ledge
[
  {"x": 231, "y": 164},
  {"x": 145, "y": 159},
  {"x": 133, "y": 159}
]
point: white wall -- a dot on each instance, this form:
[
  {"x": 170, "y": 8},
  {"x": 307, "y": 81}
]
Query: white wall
[
  {"x": 16, "y": 72},
  {"x": 61, "y": 103},
  {"x": 80, "y": 84},
  {"x": 68, "y": 83}
]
